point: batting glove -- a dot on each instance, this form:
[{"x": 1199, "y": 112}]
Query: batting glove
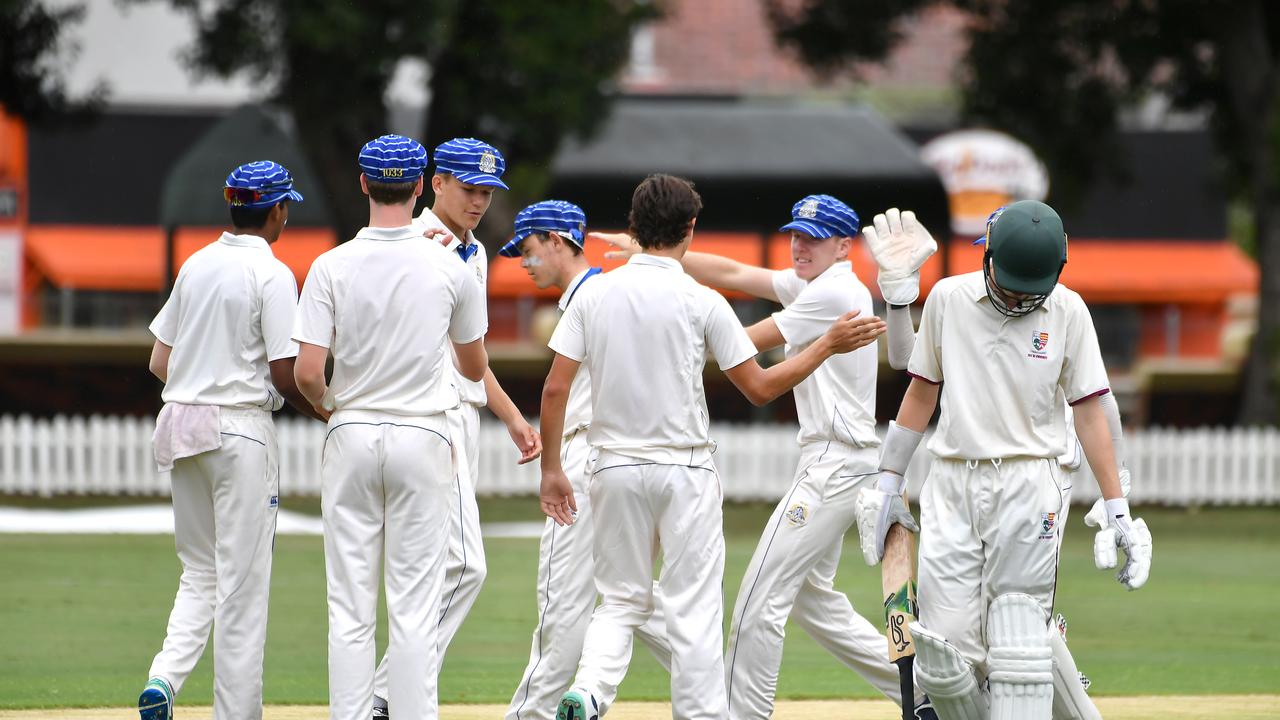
[
  {"x": 878, "y": 509},
  {"x": 1130, "y": 534},
  {"x": 900, "y": 245},
  {"x": 1097, "y": 515}
]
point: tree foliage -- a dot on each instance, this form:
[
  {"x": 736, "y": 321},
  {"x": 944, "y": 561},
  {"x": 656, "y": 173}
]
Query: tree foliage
[
  {"x": 32, "y": 42},
  {"x": 520, "y": 75},
  {"x": 1058, "y": 75}
]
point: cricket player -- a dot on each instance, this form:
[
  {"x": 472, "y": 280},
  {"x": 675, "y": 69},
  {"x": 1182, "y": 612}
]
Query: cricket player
[
  {"x": 1012, "y": 341},
  {"x": 900, "y": 245},
  {"x": 224, "y": 353},
  {"x": 644, "y": 331},
  {"x": 549, "y": 240},
  {"x": 792, "y": 572},
  {"x": 388, "y": 305},
  {"x": 468, "y": 172}
]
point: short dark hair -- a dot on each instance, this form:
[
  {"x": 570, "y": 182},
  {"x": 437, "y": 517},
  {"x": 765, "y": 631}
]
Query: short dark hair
[
  {"x": 385, "y": 193},
  {"x": 662, "y": 208},
  {"x": 249, "y": 218}
]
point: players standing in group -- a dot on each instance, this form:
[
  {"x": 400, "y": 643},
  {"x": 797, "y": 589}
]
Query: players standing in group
[
  {"x": 1010, "y": 342},
  {"x": 644, "y": 332},
  {"x": 224, "y": 353},
  {"x": 388, "y": 304}
]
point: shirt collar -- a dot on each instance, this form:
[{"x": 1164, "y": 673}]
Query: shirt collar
[
  {"x": 404, "y": 232},
  {"x": 250, "y": 241},
  {"x": 573, "y": 286},
  {"x": 655, "y": 261}
]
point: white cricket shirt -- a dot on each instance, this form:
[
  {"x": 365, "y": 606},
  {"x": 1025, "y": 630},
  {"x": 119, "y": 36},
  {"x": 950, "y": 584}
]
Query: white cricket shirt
[
  {"x": 229, "y": 316},
  {"x": 838, "y": 401},
  {"x": 578, "y": 412},
  {"x": 477, "y": 263},
  {"x": 643, "y": 331},
  {"x": 1000, "y": 375},
  {"x": 386, "y": 304}
]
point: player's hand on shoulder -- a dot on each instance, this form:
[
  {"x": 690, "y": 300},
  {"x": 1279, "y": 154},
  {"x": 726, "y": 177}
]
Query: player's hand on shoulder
[
  {"x": 1126, "y": 533},
  {"x": 527, "y": 440},
  {"x": 852, "y": 331},
  {"x": 900, "y": 245},
  {"x": 556, "y": 497},
  {"x": 440, "y": 235},
  {"x": 877, "y": 508},
  {"x": 624, "y": 245}
]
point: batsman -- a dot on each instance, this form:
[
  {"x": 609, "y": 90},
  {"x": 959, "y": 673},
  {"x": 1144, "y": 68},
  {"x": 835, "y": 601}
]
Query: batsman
[{"x": 1010, "y": 343}]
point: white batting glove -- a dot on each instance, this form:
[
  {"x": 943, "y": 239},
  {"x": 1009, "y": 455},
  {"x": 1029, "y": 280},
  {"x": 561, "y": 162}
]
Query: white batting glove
[
  {"x": 1097, "y": 515},
  {"x": 1130, "y": 534},
  {"x": 900, "y": 245},
  {"x": 878, "y": 509}
]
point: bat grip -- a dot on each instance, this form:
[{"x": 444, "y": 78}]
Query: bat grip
[{"x": 907, "y": 682}]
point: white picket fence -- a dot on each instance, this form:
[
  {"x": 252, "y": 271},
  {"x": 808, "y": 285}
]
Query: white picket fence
[{"x": 112, "y": 456}]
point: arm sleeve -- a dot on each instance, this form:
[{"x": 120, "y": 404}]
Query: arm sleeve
[
  {"x": 726, "y": 338},
  {"x": 469, "y": 321},
  {"x": 315, "y": 316},
  {"x": 811, "y": 313},
  {"x": 926, "y": 354},
  {"x": 901, "y": 335},
  {"x": 570, "y": 338},
  {"x": 1083, "y": 374},
  {"x": 787, "y": 286},
  {"x": 279, "y": 306}
]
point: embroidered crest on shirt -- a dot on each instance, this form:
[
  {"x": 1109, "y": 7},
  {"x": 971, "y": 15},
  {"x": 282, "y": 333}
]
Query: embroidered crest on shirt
[
  {"x": 797, "y": 514},
  {"x": 488, "y": 163},
  {"x": 1039, "y": 344},
  {"x": 1047, "y": 522},
  {"x": 808, "y": 210}
]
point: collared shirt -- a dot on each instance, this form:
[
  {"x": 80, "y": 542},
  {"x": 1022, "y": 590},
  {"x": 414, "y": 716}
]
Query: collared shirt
[
  {"x": 387, "y": 304},
  {"x": 228, "y": 317},
  {"x": 643, "y": 331},
  {"x": 578, "y": 412},
  {"x": 1000, "y": 375},
  {"x": 838, "y": 401},
  {"x": 475, "y": 259}
]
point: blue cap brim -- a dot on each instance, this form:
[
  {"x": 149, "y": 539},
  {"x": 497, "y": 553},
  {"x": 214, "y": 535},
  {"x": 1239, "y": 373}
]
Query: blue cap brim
[
  {"x": 483, "y": 179},
  {"x": 980, "y": 240},
  {"x": 512, "y": 248},
  {"x": 812, "y": 229}
]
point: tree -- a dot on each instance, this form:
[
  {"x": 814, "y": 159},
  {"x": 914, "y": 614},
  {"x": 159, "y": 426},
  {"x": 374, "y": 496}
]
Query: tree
[
  {"x": 31, "y": 43},
  {"x": 520, "y": 75},
  {"x": 1057, "y": 75}
]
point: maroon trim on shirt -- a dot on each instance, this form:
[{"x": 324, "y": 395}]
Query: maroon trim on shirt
[
  {"x": 921, "y": 377},
  {"x": 1099, "y": 393}
]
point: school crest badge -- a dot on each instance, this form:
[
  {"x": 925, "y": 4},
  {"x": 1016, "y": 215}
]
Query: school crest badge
[
  {"x": 488, "y": 162},
  {"x": 808, "y": 210},
  {"x": 797, "y": 514},
  {"x": 1040, "y": 341},
  {"x": 1047, "y": 522}
]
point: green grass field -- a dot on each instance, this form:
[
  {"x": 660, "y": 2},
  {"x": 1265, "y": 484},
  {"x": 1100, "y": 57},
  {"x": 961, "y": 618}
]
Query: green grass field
[{"x": 81, "y": 616}]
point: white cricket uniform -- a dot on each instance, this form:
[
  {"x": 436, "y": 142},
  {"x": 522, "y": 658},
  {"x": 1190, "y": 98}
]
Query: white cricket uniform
[
  {"x": 228, "y": 317},
  {"x": 644, "y": 331},
  {"x": 465, "y": 567},
  {"x": 792, "y": 572},
  {"x": 991, "y": 509},
  {"x": 386, "y": 304},
  {"x": 566, "y": 582}
]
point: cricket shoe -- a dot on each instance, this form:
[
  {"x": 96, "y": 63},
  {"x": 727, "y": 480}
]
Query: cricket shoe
[
  {"x": 924, "y": 710},
  {"x": 578, "y": 704},
  {"x": 156, "y": 701}
]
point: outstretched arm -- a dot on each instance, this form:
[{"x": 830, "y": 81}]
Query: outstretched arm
[{"x": 708, "y": 269}]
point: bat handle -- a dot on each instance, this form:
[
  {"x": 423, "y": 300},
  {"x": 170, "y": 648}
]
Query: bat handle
[{"x": 907, "y": 682}]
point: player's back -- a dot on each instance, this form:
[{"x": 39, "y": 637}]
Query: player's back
[{"x": 394, "y": 296}]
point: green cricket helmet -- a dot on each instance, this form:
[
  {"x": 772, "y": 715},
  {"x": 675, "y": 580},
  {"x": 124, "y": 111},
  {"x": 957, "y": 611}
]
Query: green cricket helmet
[{"x": 1026, "y": 250}]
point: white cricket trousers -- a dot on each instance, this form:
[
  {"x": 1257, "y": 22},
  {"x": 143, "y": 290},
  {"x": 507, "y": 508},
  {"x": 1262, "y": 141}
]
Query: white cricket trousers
[
  {"x": 649, "y": 507},
  {"x": 792, "y": 574},
  {"x": 464, "y": 569},
  {"x": 385, "y": 487},
  {"x": 987, "y": 528},
  {"x": 566, "y": 599},
  {"x": 224, "y": 513}
]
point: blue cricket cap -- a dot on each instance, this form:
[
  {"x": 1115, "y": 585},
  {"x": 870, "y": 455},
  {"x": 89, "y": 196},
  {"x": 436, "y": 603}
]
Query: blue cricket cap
[
  {"x": 259, "y": 184},
  {"x": 547, "y": 216},
  {"x": 822, "y": 216},
  {"x": 472, "y": 161},
  {"x": 393, "y": 159}
]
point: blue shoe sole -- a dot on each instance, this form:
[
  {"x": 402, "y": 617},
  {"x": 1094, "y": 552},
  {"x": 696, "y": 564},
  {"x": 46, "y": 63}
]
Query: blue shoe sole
[{"x": 153, "y": 705}]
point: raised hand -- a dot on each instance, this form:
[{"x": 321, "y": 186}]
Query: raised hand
[
  {"x": 900, "y": 245},
  {"x": 625, "y": 244}
]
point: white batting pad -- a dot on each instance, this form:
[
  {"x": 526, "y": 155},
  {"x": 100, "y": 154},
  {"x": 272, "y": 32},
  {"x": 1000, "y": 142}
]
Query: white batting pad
[
  {"x": 1019, "y": 659},
  {"x": 944, "y": 674}
]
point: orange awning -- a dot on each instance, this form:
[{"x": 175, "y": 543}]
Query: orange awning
[
  {"x": 131, "y": 259},
  {"x": 508, "y": 280}
]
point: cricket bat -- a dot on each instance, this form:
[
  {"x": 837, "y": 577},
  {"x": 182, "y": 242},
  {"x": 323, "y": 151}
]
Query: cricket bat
[{"x": 898, "y": 582}]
